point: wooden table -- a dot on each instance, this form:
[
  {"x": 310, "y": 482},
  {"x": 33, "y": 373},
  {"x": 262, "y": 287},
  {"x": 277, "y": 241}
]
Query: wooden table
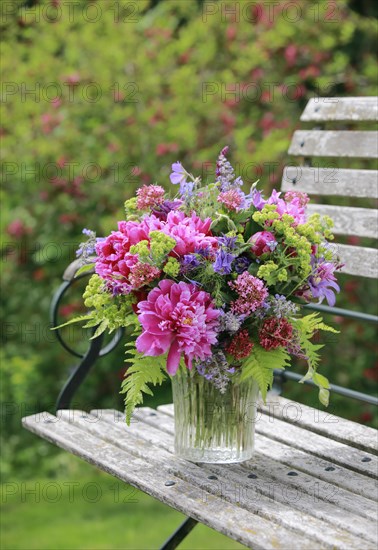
[{"x": 311, "y": 484}]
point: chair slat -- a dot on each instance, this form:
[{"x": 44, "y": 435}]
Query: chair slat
[
  {"x": 359, "y": 222},
  {"x": 341, "y": 109},
  {"x": 331, "y": 181},
  {"x": 358, "y": 260},
  {"x": 334, "y": 144}
]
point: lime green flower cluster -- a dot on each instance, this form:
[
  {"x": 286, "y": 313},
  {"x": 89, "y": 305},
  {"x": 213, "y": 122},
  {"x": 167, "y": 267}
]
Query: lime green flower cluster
[
  {"x": 110, "y": 311},
  {"x": 155, "y": 251},
  {"x": 161, "y": 245},
  {"x": 172, "y": 267},
  {"x": 296, "y": 243},
  {"x": 143, "y": 251},
  {"x": 272, "y": 273},
  {"x": 131, "y": 209}
]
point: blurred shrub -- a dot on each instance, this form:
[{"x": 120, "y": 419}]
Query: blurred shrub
[{"x": 100, "y": 97}]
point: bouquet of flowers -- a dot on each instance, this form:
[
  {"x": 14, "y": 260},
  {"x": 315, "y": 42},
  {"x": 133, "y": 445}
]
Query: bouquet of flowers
[{"x": 212, "y": 279}]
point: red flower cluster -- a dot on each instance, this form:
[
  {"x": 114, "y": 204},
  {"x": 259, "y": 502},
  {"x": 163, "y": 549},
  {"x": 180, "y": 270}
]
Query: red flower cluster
[
  {"x": 275, "y": 333},
  {"x": 241, "y": 346}
]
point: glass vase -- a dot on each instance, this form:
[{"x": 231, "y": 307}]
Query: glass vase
[{"x": 211, "y": 426}]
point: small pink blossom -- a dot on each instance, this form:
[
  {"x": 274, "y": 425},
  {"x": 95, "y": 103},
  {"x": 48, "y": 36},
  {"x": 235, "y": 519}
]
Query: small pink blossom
[
  {"x": 149, "y": 196},
  {"x": 179, "y": 319},
  {"x": 297, "y": 197},
  {"x": 251, "y": 291},
  {"x": 232, "y": 199},
  {"x": 142, "y": 274}
]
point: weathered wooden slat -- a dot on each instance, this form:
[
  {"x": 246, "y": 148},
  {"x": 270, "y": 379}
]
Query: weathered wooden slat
[
  {"x": 319, "y": 446},
  {"x": 334, "y": 144},
  {"x": 338, "y": 428},
  {"x": 299, "y": 460},
  {"x": 348, "y": 220},
  {"x": 341, "y": 108},
  {"x": 267, "y": 467},
  {"x": 331, "y": 181},
  {"x": 229, "y": 519},
  {"x": 256, "y": 495},
  {"x": 358, "y": 260}
]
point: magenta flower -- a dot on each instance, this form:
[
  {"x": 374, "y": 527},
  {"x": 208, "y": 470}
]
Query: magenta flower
[
  {"x": 180, "y": 319},
  {"x": 190, "y": 233},
  {"x": 262, "y": 242},
  {"x": 294, "y": 204},
  {"x": 114, "y": 261}
]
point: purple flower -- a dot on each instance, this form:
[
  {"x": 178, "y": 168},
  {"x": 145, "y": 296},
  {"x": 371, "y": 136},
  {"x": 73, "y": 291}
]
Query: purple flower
[
  {"x": 323, "y": 283},
  {"x": 204, "y": 252},
  {"x": 163, "y": 210},
  {"x": 190, "y": 261},
  {"x": 223, "y": 262},
  {"x": 241, "y": 264},
  {"x": 87, "y": 249},
  {"x": 178, "y": 174},
  {"x": 228, "y": 322},
  {"x": 225, "y": 173},
  {"x": 227, "y": 242},
  {"x": 186, "y": 189},
  {"x": 257, "y": 200}
]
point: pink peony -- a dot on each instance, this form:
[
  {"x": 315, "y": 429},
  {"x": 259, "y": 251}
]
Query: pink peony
[
  {"x": 114, "y": 261},
  {"x": 190, "y": 232},
  {"x": 180, "y": 319},
  {"x": 262, "y": 242}
]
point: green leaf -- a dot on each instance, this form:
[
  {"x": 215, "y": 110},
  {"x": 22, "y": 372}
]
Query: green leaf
[
  {"x": 86, "y": 317},
  {"x": 307, "y": 326},
  {"x": 261, "y": 364},
  {"x": 143, "y": 370},
  {"x": 100, "y": 329},
  {"x": 321, "y": 381},
  {"x": 84, "y": 268},
  {"x": 324, "y": 397}
]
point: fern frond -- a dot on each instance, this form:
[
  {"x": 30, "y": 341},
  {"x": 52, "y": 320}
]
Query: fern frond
[
  {"x": 78, "y": 319},
  {"x": 261, "y": 364},
  {"x": 307, "y": 326},
  {"x": 143, "y": 371}
]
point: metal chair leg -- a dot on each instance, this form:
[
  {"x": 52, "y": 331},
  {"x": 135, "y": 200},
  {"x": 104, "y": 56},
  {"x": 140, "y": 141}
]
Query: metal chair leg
[{"x": 179, "y": 535}]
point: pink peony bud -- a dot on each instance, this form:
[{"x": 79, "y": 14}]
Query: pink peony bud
[{"x": 262, "y": 242}]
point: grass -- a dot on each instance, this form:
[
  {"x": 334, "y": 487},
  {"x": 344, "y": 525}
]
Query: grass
[{"x": 84, "y": 509}]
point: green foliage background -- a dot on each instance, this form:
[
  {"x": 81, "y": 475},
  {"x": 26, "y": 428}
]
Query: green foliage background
[{"x": 116, "y": 101}]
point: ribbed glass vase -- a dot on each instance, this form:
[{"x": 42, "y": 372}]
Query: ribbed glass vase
[{"x": 211, "y": 426}]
